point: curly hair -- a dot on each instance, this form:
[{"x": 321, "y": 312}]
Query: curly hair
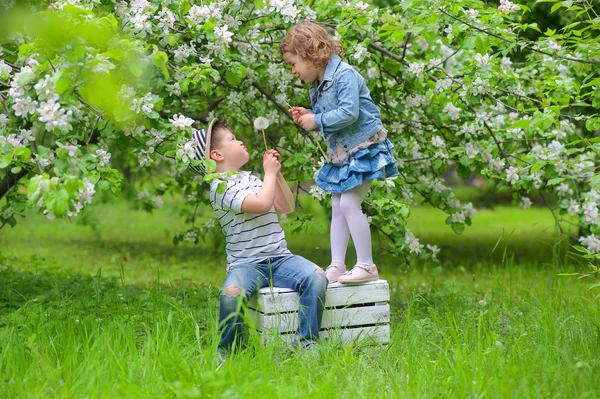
[{"x": 312, "y": 43}]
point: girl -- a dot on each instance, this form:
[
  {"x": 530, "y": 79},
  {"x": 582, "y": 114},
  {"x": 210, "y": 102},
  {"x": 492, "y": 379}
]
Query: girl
[{"x": 357, "y": 145}]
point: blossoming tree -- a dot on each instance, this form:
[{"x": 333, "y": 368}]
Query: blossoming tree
[{"x": 91, "y": 87}]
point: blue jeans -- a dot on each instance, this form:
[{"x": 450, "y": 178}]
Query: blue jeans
[{"x": 293, "y": 272}]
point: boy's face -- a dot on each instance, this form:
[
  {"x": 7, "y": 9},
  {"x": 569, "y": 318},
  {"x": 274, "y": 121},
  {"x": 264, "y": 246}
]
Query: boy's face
[
  {"x": 303, "y": 70},
  {"x": 230, "y": 150}
]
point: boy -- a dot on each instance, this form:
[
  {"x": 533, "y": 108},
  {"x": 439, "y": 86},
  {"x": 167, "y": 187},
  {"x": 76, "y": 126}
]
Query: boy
[{"x": 257, "y": 253}]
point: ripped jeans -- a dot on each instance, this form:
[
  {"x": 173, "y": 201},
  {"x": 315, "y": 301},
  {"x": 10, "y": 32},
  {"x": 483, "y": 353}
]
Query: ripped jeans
[{"x": 293, "y": 272}]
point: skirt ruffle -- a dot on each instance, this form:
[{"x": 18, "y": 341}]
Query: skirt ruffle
[{"x": 375, "y": 162}]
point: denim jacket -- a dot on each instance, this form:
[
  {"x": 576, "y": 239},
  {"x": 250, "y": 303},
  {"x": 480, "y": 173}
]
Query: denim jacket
[{"x": 344, "y": 110}]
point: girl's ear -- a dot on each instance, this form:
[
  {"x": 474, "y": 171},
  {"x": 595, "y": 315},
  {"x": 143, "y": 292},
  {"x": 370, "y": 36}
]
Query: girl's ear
[{"x": 216, "y": 156}]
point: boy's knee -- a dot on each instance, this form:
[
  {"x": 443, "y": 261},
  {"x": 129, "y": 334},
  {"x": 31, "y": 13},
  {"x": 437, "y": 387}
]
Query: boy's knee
[{"x": 232, "y": 290}]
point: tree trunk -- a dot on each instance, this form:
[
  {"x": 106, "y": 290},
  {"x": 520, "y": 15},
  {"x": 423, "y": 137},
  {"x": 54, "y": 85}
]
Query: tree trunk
[{"x": 10, "y": 180}]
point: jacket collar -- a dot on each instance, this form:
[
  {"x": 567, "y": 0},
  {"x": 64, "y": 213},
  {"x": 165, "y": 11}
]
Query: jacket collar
[{"x": 332, "y": 66}]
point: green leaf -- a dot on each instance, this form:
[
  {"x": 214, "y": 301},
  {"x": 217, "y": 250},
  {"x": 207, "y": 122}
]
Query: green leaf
[
  {"x": 536, "y": 167},
  {"x": 522, "y": 124},
  {"x": 235, "y": 74},
  {"x": 593, "y": 123},
  {"x": 57, "y": 202},
  {"x": 5, "y": 160},
  {"x": 160, "y": 61},
  {"x": 555, "y": 181},
  {"x": 26, "y": 78},
  {"x": 23, "y": 153},
  {"x": 34, "y": 182},
  {"x": 555, "y": 7},
  {"x": 458, "y": 228},
  {"x": 63, "y": 84}
]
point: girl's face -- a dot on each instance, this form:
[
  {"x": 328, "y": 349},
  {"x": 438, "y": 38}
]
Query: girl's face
[{"x": 303, "y": 70}]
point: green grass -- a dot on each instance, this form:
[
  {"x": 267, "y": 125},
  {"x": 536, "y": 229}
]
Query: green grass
[{"x": 120, "y": 311}]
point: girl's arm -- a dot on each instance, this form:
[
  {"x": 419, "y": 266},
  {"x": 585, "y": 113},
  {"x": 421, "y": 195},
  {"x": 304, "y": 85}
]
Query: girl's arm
[{"x": 347, "y": 94}]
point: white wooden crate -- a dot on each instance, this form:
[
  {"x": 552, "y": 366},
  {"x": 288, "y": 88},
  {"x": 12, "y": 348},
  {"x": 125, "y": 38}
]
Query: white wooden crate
[{"x": 353, "y": 313}]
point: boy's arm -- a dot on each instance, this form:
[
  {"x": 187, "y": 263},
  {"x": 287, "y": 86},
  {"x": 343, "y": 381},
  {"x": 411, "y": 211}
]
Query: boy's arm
[
  {"x": 264, "y": 200},
  {"x": 283, "y": 194}
]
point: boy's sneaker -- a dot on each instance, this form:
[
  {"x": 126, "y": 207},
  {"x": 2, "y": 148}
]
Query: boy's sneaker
[
  {"x": 359, "y": 274},
  {"x": 333, "y": 272}
]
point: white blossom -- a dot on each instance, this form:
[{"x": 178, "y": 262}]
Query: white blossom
[
  {"x": 5, "y": 68},
  {"x": 126, "y": 92},
  {"x": 458, "y": 217},
  {"x": 186, "y": 151},
  {"x": 360, "y": 53},
  {"x": 482, "y": 60},
  {"x": 471, "y": 151},
  {"x": 591, "y": 242},
  {"x": 437, "y": 141},
  {"x": 434, "y": 249},
  {"x": 54, "y": 116},
  {"x": 468, "y": 210},
  {"x": 361, "y": 7},
  {"x": 103, "y": 156},
  {"x": 452, "y": 111},
  {"x": 416, "y": 67},
  {"x": 506, "y": 6},
  {"x": 71, "y": 149},
  {"x": 590, "y": 212},
  {"x": 511, "y": 175},
  {"x": 24, "y": 105},
  {"x": 525, "y": 202},
  {"x": 317, "y": 192},
  {"x": 181, "y": 122},
  {"x": 574, "y": 207},
  {"x": 472, "y": 13},
  {"x": 224, "y": 34},
  {"x": 413, "y": 243},
  {"x": 27, "y": 136}
]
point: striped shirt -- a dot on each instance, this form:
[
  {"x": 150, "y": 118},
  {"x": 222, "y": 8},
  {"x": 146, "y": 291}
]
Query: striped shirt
[{"x": 250, "y": 238}]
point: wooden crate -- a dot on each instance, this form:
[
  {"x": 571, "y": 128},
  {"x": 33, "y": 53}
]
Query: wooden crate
[{"x": 353, "y": 313}]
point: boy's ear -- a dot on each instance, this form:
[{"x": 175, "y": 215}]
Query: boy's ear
[{"x": 216, "y": 156}]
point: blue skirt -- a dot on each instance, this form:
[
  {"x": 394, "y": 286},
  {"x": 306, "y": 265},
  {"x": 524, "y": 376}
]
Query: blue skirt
[{"x": 373, "y": 162}]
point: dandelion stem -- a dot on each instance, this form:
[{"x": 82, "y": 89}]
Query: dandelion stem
[{"x": 289, "y": 203}]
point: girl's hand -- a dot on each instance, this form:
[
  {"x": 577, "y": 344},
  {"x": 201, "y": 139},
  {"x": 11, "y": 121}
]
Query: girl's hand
[
  {"x": 307, "y": 121},
  {"x": 297, "y": 112}
]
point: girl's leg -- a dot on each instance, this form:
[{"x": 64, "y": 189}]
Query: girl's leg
[
  {"x": 357, "y": 222},
  {"x": 339, "y": 233}
]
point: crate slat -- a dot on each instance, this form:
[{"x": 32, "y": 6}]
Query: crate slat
[
  {"x": 374, "y": 334},
  {"x": 279, "y": 300},
  {"x": 358, "y": 316}
]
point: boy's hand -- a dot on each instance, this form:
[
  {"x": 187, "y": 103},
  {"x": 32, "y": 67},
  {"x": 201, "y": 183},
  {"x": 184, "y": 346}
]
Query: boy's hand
[
  {"x": 297, "y": 112},
  {"x": 275, "y": 154},
  {"x": 307, "y": 121},
  {"x": 271, "y": 163}
]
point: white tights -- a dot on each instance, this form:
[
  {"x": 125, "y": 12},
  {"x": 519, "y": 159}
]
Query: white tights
[{"x": 349, "y": 220}]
